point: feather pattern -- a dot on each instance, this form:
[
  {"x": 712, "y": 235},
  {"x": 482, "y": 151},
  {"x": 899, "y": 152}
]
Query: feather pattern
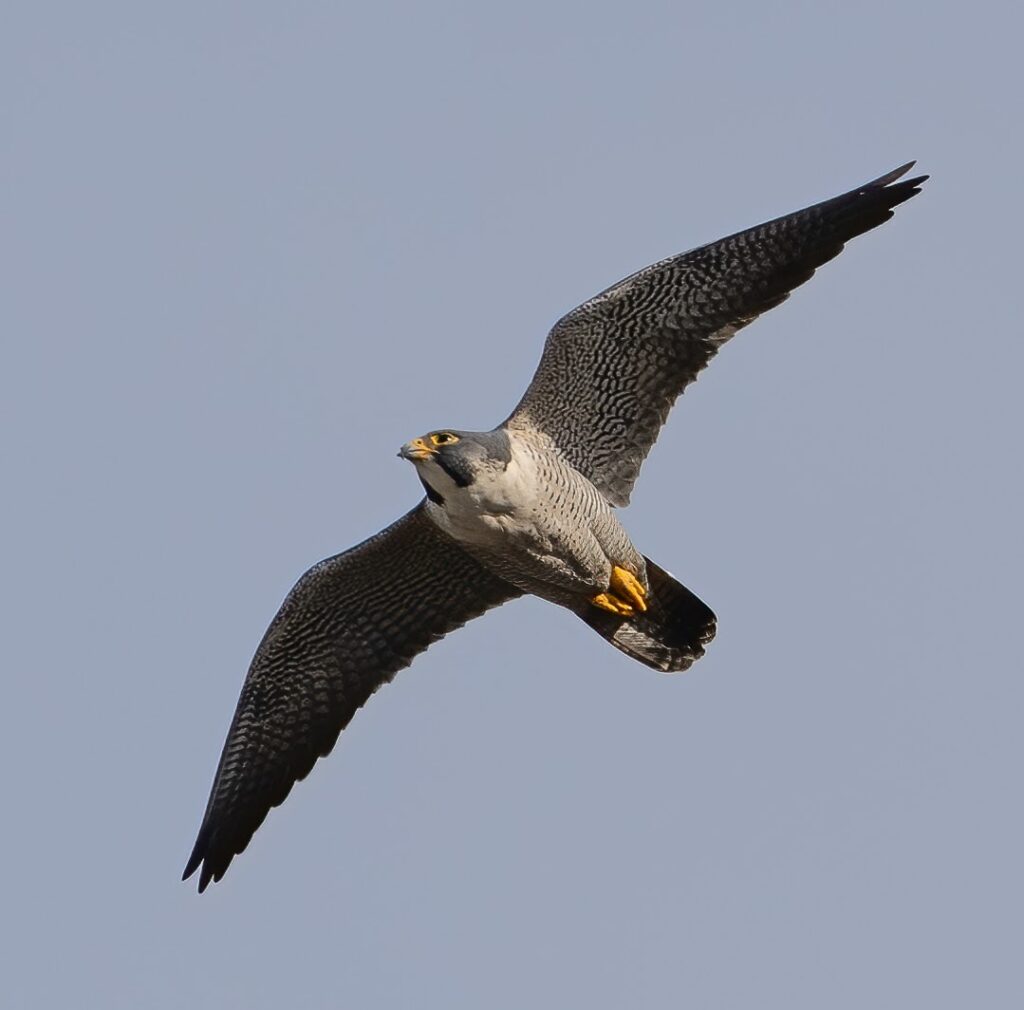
[
  {"x": 349, "y": 625},
  {"x": 612, "y": 368},
  {"x": 527, "y": 507}
]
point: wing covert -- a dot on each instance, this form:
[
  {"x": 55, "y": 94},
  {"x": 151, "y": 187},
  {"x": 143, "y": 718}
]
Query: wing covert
[
  {"x": 349, "y": 624},
  {"x": 612, "y": 368}
]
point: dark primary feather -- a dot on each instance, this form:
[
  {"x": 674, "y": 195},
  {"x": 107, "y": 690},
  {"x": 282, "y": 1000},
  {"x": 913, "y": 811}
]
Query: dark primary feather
[
  {"x": 348, "y": 626},
  {"x": 613, "y": 367}
]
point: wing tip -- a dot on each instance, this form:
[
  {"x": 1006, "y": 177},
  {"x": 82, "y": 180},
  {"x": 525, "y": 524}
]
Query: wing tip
[
  {"x": 869, "y": 205},
  {"x": 220, "y": 840},
  {"x": 206, "y": 874},
  {"x": 197, "y": 859},
  {"x": 210, "y": 868},
  {"x": 896, "y": 173},
  {"x": 907, "y": 188}
]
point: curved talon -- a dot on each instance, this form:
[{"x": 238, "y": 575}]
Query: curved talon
[
  {"x": 609, "y": 601},
  {"x": 625, "y": 596},
  {"x": 628, "y": 588}
]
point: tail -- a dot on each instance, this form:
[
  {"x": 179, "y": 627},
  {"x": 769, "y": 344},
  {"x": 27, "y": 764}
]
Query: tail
[{"x": 669, "y": 636}]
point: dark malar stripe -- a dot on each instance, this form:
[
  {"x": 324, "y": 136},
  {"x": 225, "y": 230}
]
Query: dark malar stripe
[{"x": 455, "y": 469}]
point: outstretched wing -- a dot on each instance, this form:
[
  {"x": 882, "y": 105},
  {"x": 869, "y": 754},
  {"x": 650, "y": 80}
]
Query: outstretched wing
[
  {"x": 349, "y": 625},
  {"x": 612, "y": 368}
]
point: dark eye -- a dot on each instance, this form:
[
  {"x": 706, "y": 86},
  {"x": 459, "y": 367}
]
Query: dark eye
[{"x": 442, "y": 437}]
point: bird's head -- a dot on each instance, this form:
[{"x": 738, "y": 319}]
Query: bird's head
[{"x": 446, "y": 460}]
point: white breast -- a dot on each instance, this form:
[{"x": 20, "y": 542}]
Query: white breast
[{"x": 501, "y": 501}]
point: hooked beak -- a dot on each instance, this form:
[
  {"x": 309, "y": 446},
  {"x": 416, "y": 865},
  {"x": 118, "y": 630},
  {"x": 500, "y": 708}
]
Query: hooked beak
[{"x": 416, "y": 450}]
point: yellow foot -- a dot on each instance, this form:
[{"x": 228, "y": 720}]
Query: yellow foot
[
  {"x": 607, "y": 601},
  {"x": 626, "y": 594},
  {"x": 628, "y": 587}
]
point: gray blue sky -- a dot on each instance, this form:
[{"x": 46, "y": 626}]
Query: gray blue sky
[{"x": 249, "y": 249}]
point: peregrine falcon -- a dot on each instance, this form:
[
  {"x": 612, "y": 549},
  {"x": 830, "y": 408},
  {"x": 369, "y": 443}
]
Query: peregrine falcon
[{"x": 526, "y": 508}]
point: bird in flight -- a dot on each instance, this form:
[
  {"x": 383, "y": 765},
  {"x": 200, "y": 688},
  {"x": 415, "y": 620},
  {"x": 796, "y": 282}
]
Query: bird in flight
[{"x": 528, "y": 507}]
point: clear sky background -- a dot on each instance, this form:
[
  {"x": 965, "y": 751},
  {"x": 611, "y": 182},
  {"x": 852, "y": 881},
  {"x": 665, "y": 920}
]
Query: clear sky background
[{"x": 249, "y": 249}]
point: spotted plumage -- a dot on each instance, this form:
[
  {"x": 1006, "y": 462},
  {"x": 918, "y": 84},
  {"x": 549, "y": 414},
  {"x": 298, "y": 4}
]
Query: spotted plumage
[{"x": 525, "y": 508}]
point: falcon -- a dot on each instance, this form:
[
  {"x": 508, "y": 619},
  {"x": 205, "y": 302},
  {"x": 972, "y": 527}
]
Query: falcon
[{"x": 528, "y": 507}]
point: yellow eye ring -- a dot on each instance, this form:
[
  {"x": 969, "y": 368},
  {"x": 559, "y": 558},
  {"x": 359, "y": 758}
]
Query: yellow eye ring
[{"x": 443, "y": 438}]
